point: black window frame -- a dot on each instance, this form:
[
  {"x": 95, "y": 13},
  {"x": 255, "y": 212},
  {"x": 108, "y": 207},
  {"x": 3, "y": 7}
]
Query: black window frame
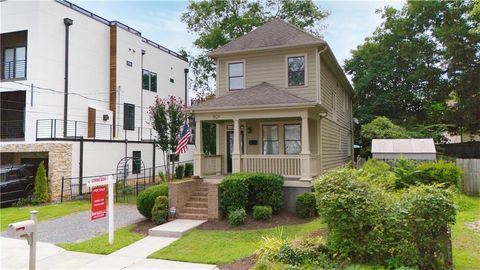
[
  {"x": 14, "y": 76},
  {"x": 128, "y": 120},
  {"x": 136, "y": 162},
  {"x": 149, "y": 80},
  {"x": 290, "y": 73},
  {"x": 230, "y": 77}
]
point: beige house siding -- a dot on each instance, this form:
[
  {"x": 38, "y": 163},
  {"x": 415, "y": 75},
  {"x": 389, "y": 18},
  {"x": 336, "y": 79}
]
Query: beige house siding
[{"x": 271, "y": 68}]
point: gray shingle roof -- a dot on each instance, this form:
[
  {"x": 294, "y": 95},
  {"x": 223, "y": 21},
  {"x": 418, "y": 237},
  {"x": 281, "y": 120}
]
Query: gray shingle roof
[
  {"x": 403, "y": 146},
  {"x": 263, "y": 94},
  {"x": 272, "y": 34}
]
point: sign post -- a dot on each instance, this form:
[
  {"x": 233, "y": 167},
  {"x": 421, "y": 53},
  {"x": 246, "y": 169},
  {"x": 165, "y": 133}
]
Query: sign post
[{"x": 99, "y": 194}]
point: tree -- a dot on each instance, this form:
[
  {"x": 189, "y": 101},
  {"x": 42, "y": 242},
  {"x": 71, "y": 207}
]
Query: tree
[
  {"x": 382, "y": 128},
  {"x": 167, "y": 117},
  {"x": 218, "y": 22},
  {"x": 420, "y": 66},
  {"x": 41, "y": 184}
]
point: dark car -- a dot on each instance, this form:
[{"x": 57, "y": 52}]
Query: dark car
[{"x": 16, "y": 181}]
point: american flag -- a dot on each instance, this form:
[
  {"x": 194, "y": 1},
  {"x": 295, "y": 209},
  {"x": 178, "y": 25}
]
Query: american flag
[{"x": 182, "y": 146}]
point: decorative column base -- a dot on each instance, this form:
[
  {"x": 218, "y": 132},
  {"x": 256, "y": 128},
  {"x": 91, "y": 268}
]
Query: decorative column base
[
  {"x": 198, "y": 165},
  {"x": 236, "y": 163},
  {"x": 305, "y": 164}
]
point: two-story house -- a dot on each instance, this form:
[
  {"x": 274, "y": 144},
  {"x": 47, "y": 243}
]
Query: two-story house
[
  {"x": 75, "y": 90},
  {"x": 283, "y": 105}
]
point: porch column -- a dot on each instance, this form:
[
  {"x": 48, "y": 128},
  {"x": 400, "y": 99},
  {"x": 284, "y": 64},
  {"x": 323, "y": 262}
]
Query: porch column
[
  {"x": 305, "y": 153},
  {"x": 198, "y": 155},
  {"x": 236, "y": 166}
]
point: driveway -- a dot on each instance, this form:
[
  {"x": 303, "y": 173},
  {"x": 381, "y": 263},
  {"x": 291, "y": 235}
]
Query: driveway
[{"x": 78, "y": 227}]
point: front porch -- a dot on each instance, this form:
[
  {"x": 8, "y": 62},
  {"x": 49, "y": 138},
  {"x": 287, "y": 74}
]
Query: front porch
[{"x": 284, "y": 142}]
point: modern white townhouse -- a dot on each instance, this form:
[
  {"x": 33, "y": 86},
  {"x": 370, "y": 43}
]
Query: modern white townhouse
[{"x": 75, "y": 90}]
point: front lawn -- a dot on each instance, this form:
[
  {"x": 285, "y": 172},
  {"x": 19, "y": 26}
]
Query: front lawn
[
  {"x": 99, "y": 244},
  {"x": 216, "y": 247},
  {"x": 48, "y": 211},
  {"x": 466, "y": 242}
]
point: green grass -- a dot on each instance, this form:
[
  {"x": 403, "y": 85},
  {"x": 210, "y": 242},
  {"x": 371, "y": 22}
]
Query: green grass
[
  {"x": 99, "y": 244},
  {"x": 214, "y": 247},
  {"x": 466, "y": 243},
  {"x": 48, "y": 211}
]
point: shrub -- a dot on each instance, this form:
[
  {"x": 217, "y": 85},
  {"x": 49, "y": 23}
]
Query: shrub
[
  {"x": 146, "y": 199},
  {"x": 163, "y": 177},
  {"x": 378, "y": 173},
  {"x": 188, "y": 169},
  {"x": 179, "y": 171},
  {"x": 305, "y": 205},
  {"x": 160, "y": 210},
  {"x": 237, "y": 217},
  {"x": 406, "y": 173},
  {"x": 244, "y": 190},
  {"x": 41, "y": 184},
  {"x": 262, "y": 212},
  {"x": 440, "y": 172}
]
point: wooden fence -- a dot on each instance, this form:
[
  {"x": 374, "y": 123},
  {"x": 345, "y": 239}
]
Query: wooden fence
[{"x": 471, "y": 175}]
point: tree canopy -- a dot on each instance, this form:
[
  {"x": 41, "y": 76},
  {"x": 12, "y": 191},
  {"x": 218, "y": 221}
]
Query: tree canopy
[
  {"x": 421, "y": 66},
  {"x": 216, "y": 23}
]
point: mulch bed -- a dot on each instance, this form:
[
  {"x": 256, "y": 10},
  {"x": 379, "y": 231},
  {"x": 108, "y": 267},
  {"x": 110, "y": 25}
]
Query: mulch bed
[
  {"x": 282, "y": 219},
  {"x": 242, "y": 264},
  {"x": 142, "y": 227}
]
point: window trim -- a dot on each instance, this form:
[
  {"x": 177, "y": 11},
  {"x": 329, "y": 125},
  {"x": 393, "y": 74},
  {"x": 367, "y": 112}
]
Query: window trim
[
  {"x": 227, "y": 65},
  {"x": 285, "y": 140},
  {"x": 278, "y": 139},
  {"x": 2, "y": 77},
  {"x": 149, "y": 88},
  {"x": 305, "y": 56},
  {"x": 125, "y": 105}
]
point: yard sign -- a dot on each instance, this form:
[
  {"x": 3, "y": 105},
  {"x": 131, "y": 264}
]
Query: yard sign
[
  {"x": 99, "y": 202},
  {"x": 99, "y": 186}
]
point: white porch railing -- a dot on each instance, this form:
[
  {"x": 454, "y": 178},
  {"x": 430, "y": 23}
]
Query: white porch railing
[
  {"x": 286, "y": 165},
  {"x": 212, "y": 164}
]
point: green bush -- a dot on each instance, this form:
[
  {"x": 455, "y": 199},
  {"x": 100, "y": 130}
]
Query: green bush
[
  {"x": 237, "y": 217},
  {"x": 188, "y": 169},
  {"x": 160, "y": 210},
  {"x": 262, "y": 212},
  {"x": 378, "y": 173},
  {"x": 179, "y": 170},
  {"x": 306, "y": 205},
  {"x": 406, "y": 173},
  {"x": 440, "y": 172},
  {"x": 163, "y": 177},
  {"x": 41, "y": 184},
  {"x": 244, "y": 190},
  {"x": 146, "y": 199}
]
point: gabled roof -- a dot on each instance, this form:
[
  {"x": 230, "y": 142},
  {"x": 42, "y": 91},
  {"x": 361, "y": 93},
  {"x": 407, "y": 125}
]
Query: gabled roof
[
  {"x": 403, "y": 146},
  {"x": 263, "y": 94},
  {"x": 275, "y": 33}
]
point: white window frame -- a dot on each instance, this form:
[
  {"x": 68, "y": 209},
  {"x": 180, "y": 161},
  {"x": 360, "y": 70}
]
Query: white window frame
[
  {"x": 227, "y": 64},
  {"x": 305, "y": 56}
]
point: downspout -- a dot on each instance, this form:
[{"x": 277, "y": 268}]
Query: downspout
[
  {"x": 68, "y": 22},
  {"x": 186, "y": 86},
  {"x": 141, "y": 102}
]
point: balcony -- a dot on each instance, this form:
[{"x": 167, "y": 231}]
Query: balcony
[{"x": 53, "y": 129}]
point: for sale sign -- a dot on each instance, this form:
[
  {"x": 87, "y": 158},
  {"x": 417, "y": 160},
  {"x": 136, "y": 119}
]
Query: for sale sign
[{"x": 99, "y": 202}]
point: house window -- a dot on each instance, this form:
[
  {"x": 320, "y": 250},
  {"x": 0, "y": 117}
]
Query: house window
[
  {"x": 296, "y": 71},
  {"x": 270, "y": 139},
  {"x": 14, "y": 63},
  {"x": 293, "y": 142},
  {"x": 136, "y": 162},
  {"x": 149, "y": 80},
  {"x": 236, "y": 76},
  {"x": 128, "y": 116}
]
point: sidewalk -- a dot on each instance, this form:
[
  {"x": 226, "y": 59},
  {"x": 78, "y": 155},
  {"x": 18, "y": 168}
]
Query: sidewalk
[{"x": 14, "y": 255}]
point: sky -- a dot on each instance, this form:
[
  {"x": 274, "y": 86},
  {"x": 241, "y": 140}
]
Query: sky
[{"x": 349, "y": 23}]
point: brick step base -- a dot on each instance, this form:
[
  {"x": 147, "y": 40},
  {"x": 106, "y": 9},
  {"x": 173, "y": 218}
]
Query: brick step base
[
  {"x": 192, "y": 216},
  {"x": 197, "y": 204}
]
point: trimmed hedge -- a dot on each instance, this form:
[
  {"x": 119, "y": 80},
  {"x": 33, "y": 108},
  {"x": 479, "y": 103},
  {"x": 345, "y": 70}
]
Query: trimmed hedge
[
  {"x": 146, "y": 199},
  {"x": 188, "y": 169},
  {"x": 305, "y": 205},
  {"x": 262, "y": 212},
  {"x": 237, "y": 217},
  {"x": 440, "y": 172},
  {"x": 179, "y": 170},
  {"x": 244, "y": 190},
  {"x": 160, "y": 210}
]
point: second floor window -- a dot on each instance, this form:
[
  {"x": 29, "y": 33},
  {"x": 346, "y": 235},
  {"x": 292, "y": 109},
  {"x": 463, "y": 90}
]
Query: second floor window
[
  {"x": 149, "y": 80},
  {"x": 14, "y": 63},
  {"x": 236, "y": 77},
  {"x": 296, "y": 70},
  {"x": 128, "y": 116}
]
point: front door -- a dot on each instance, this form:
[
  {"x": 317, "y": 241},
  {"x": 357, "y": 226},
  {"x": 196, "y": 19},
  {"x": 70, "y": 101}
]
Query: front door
[{"x": 230, "y": 148}]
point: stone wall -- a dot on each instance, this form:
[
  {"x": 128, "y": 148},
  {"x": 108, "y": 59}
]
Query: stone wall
[{"x": 59, "y": 161}]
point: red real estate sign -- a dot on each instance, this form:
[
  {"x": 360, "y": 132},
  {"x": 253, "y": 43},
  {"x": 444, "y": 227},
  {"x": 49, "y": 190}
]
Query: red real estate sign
[{"x": 99, "y": 202}]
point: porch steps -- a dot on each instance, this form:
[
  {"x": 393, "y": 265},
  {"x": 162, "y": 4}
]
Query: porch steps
[{"x": 196, "y": 206}]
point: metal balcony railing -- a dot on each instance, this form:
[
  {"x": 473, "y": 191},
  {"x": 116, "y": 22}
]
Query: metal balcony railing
[
  {"x": 52, "y": 129},
  {"x": 14, "y": 69}
]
